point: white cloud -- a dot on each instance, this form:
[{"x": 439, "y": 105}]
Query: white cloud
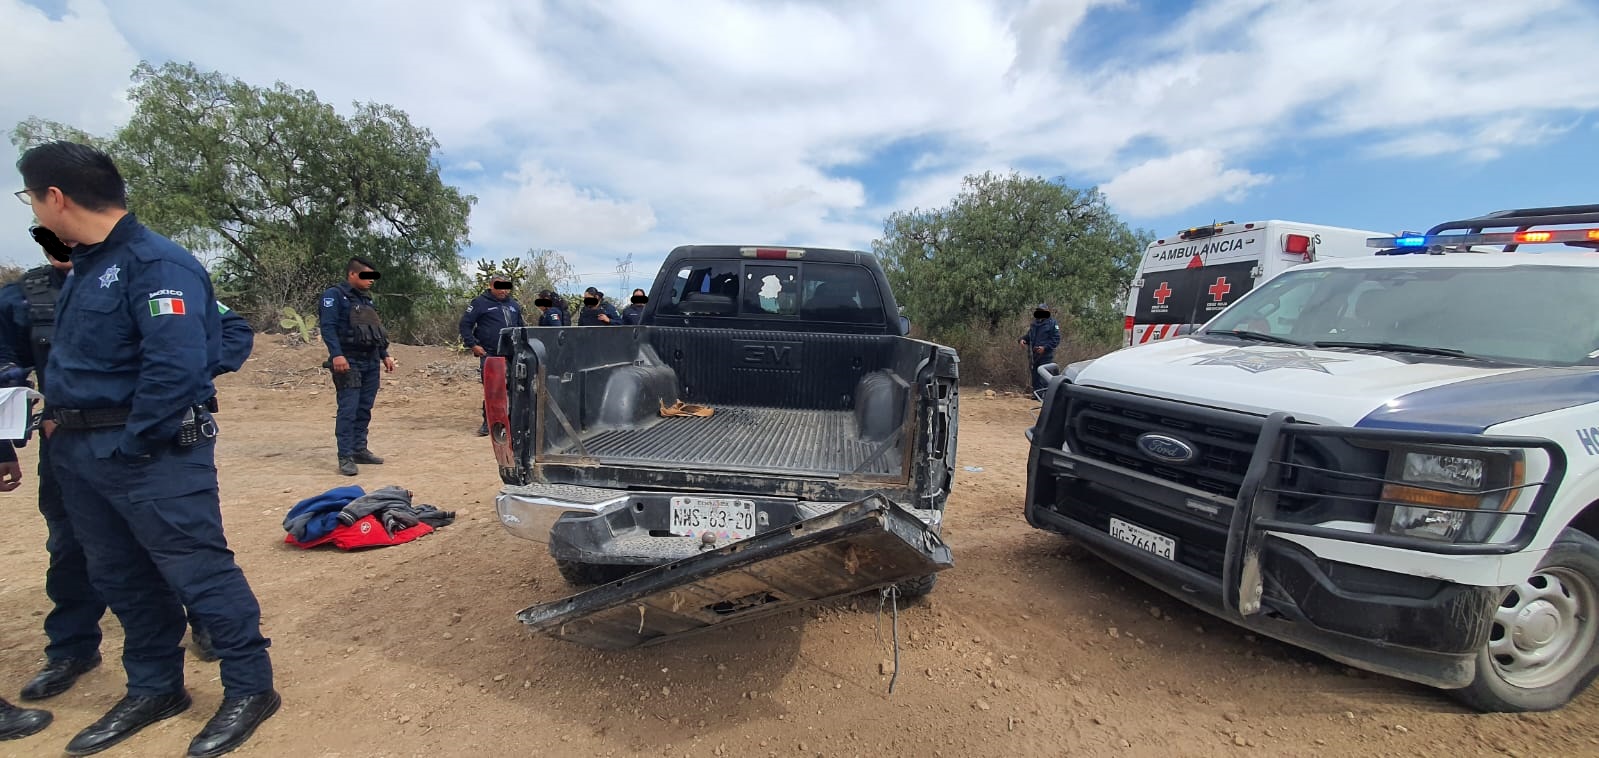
[
  {"x": 1175, "y": 183},
  {"x": 633, "y": 126},
  {"x": 73, "y": 70}
]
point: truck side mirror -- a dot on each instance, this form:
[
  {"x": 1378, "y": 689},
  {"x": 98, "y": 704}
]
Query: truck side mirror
[{"x": 904, "y": 325}]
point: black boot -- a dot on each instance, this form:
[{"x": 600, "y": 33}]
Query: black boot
[
  {"x": 347, "y": 467},
  {"x": 57, "y": 677},
  {"x": 16, "y": 723},
  {"x": 125, "y": 719},
  {"x": 483, "y": 431},
  {"x": 365, "y": 456},
  {"x": 233, "y": 723}
]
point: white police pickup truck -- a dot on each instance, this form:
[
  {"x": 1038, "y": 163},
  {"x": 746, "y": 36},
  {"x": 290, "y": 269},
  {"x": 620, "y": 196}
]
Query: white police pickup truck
[{"x": 1391, "y": 460}]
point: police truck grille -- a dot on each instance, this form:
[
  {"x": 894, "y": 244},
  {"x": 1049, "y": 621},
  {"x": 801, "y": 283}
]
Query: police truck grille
[{"x": 1109, "y": 432}]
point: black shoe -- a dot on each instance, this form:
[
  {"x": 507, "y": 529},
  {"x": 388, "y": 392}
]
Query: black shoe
[
  {"x": 235, "y": 721},
  {"x": 125, "y": 719},
  {"x": 200, "y": 644},
  {"x": 57, "y": 677},
  {"x": 16, "y": 723},
  {"x": 365, "y": 456},
  {"x": 483, "y": 431},
  {"x": 347, "y": 467}
]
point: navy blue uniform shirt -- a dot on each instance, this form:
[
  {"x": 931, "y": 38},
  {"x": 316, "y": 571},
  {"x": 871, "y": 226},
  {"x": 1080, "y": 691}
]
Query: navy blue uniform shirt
[
  {"x": 1044, "y": 333},
  {"x": 336, "y": 314},
  {"x": 591, "y": 316},
  {"x": 553, "y": 316},
  {"x": 137, "y": 328},
  {"x": 485, "y": 316}
]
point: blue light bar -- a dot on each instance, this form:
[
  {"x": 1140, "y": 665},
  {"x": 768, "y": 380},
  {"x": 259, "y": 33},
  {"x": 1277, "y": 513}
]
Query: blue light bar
[{"x": 1410, "y": 242}]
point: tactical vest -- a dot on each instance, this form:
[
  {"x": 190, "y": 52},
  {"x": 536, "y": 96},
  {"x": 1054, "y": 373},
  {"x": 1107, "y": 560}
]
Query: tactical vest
[
  {"x": 40, "y": 290},
  {"x": 363, "y": 330}
]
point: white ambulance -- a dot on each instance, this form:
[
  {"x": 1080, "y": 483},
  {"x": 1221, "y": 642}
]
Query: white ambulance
[{"x": 1185, "y": 279}]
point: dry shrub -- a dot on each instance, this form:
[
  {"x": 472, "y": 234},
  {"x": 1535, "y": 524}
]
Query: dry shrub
[{"x": 993, "y": 358}]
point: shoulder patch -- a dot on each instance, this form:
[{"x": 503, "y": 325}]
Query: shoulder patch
[
  {"x": 167, "y": 306},
  {"x": 327, "y": 302}
]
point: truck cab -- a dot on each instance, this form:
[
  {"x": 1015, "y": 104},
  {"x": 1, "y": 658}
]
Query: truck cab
[
  {"x": 1185, "y": 279},
  {"x": 1392, "y": 460}
]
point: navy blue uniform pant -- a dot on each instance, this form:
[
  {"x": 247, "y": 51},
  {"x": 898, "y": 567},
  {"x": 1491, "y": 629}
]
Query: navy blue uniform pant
[
  {"x": 355, "y": 406},
  {"x": 1040, "y": 360},
  {"x": 151, "y": 531},
  {"x": 72, "y": 627}
]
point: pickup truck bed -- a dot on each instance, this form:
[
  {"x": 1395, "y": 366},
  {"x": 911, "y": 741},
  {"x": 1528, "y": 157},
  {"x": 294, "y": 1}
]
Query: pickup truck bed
[{"x": 748, "y": 437}]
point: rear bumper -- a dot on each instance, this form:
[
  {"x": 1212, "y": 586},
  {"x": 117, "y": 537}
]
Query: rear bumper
[
  {"x": 529, "y": 511},
  {"x": 1409, "y": 627},
  {"x": 624, "y": 527}
]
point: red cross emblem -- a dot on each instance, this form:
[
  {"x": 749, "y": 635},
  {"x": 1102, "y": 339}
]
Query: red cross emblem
[
  {"x": 1161, "y": 293},
  {"x": 1220, "y": 289}
]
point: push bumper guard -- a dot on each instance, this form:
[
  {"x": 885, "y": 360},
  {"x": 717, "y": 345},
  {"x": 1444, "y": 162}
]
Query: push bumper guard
[{"x": 1414, "y": 628}]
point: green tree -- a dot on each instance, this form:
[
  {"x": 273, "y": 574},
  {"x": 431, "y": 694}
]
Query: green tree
[
  {"x": 276, "y": 190},
  {"x": 1004, "y": 243}
]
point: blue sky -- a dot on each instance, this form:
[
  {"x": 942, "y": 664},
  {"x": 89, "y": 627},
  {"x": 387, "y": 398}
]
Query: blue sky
[{"x": 631, "y": 126}]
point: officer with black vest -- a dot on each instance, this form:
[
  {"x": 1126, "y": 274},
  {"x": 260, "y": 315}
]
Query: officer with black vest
[
  {"x": 357, "y": 349},
  {"x": 480, "y": 326},
  {"x": 27, "y": 323}
]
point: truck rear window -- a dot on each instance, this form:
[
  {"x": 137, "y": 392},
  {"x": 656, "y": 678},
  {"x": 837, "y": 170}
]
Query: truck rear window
[{"x": 836, "y": 292}]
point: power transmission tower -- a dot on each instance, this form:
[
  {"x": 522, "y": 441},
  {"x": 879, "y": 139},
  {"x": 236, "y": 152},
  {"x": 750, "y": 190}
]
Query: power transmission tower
[{"x": 624, "y": 272}]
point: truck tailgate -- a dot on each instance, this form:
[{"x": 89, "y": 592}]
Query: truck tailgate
[{"x": 864, "y": 545}]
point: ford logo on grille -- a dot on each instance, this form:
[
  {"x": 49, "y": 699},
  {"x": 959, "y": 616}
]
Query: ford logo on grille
[{"x": 1165, "y": 449}]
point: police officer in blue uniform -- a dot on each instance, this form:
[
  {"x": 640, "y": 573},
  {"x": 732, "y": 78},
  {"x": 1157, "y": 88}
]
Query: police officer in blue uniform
[
  {"x": 596, "y": 311},
  {"x": 15, "y": 722},
  {"x": 133, "y": 448},
  {"x": 27, "y": 323},
  {"x": 633, "y": 314},
  {"x": 480, "y": 326},
  {"x": 552, "y": 309},
  {"x": 1041, "y": 339},
  {"x": 357, "y": 348}
]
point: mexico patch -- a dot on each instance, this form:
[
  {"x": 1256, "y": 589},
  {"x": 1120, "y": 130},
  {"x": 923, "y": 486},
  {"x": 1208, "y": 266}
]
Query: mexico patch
[{"x": 166, "y": 306}]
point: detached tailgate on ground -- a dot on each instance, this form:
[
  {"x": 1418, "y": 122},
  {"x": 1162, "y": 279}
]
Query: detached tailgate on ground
[{"x": 862, "y": 546}]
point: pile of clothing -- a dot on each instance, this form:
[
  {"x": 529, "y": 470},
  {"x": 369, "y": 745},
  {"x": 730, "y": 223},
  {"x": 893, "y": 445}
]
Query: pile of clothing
[{"x": 351, "y": 519}]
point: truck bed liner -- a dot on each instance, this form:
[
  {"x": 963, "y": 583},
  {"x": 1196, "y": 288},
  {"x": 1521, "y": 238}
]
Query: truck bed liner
[{"x": 775, "y": 439}]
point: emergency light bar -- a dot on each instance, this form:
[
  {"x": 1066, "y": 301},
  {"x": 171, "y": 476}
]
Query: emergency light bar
[{"x": 1489, "y": 238}]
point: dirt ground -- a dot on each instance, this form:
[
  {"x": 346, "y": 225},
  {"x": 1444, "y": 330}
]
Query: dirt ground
[{"x": 1029, "y": 646}]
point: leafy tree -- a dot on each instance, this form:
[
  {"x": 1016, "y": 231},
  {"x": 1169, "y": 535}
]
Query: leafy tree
[
  {"x": 1005, "y": 243},
  {"x": 276, "y": 190}
]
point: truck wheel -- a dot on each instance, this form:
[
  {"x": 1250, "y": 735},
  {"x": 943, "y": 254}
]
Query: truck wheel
[
  {"x": 584, "y": 574},
  {"x": 912, "y": 589},
  {"x": 1543, "y": 649}
]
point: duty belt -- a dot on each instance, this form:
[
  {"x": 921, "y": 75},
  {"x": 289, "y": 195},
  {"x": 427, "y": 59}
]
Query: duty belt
[{"x": 90, "y": 418}]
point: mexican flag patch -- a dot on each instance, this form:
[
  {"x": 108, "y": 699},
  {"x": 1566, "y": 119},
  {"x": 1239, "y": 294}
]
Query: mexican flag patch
[{"x": 162, "y": 306}]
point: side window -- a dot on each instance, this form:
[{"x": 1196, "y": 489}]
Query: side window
[
  {"x": 842, "y": 293},
  {"x": 771, "y": 290},
  {"x": 704, "y": 288}
]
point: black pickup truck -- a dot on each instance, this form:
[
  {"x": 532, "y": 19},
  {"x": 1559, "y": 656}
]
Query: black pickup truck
[{"x": 828, "y": 432}]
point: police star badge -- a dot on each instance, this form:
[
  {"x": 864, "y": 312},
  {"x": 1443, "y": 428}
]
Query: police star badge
[
  {"x": 1259, "y": 361},
  {"x": 111, "y": 275}
]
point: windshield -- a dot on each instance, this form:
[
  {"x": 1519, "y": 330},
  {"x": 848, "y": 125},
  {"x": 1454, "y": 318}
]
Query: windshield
[{"x": 1520, "y": 314}]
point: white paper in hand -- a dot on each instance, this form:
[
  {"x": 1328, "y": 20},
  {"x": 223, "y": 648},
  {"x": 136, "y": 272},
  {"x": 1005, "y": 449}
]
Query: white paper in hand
[{"x": 14, "y": 411}]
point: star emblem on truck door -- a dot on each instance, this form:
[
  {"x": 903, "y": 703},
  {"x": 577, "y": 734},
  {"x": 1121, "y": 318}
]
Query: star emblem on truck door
[{"x": 1258, "y": 361}]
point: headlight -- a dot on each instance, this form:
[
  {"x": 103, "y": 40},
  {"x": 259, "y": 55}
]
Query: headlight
[{"x": 1453, "y": 495}]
